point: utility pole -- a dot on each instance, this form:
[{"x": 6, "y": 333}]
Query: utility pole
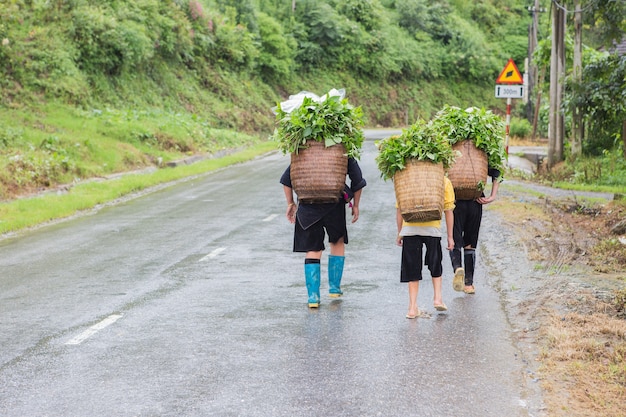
[
  {"x": 560, "y": 133},
  {"x": 557, "y": 70},
  {"x": 533, "y": 36},
  {"x": 533, "y": 70}
]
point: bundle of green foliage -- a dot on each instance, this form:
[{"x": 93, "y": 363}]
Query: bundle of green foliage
[
  {"x": 420, "y": 142},
  {"x": 332, "y": 120},
  {"x": 480, "y": 126}
]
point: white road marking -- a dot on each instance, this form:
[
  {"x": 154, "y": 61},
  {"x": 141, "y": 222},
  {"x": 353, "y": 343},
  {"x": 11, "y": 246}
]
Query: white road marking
[
  {"x": 270, "y": 218},
  {"x": 213, "y": 254},
  {"x": 93, "y": 329}
]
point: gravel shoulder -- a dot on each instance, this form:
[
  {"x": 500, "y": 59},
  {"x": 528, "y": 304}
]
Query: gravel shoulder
[{"x": 545, "y": 251}]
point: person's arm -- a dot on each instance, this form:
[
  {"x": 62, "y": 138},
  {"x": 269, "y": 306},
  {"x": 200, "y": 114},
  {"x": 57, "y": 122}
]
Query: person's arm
[
  {"x": 357, "y": 182},
  {"x": 355, "y": 205},
  {"x": 291, "y": 205},
  {"x": 495, "y": 184},
  {"x": 449, "y": 215},
  {"x": 496, "y": 178},
  {"x": 285, "y": 180},
  {"x": 399, "y": 222}
]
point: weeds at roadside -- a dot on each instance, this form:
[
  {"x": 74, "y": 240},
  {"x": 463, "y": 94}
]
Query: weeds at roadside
[
  {"x": 588, "y": 352},
  {"x": 67, "y": 145},
  {"x": 519, "y": 174},
  {"x": 582, "y": 325},
  {"x": 619, "y": 302},
  {"x": 89, "y": 194}
]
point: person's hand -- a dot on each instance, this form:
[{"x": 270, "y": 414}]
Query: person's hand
[
  {"x": 399, "y": 240},
  {"x": 450, "y": 243},
  {"x": 355, "y": 213},
  {"x": 486, "y": 200},
  {"x": 291, "y": 212}
]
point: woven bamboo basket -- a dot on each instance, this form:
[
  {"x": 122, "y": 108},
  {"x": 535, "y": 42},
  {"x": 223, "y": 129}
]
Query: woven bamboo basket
[
  {"x": 419, "y": 191},
  {"x": 318, "y": 173},
  {"x": 468, "y": 171}
]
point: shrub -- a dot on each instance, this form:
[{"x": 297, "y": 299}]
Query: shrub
[
  {"x": 320, "y": 32},
  {"x": 275, "y": 59},
  {"x": 468, "y": 54},
  {"x": 405, "y": 56},
  {"x": 520, "y": 128},
  {"x": 170, "y": 30},
  {"x": 419, "y": 16},
  {"x": 365, "y": 12},
  {"x": 107, "y": 43},
  {"x": 235, "y": 47},
  {"x": 10, "y": 137}
]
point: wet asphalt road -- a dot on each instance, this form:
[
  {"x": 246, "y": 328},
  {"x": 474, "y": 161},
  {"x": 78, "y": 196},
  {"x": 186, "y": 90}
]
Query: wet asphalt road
[{"x": 189, "y": 302}]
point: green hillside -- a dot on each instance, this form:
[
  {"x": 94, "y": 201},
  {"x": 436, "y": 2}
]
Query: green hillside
[{"x": 91, "y": 88}]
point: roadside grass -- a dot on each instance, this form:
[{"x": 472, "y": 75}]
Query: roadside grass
[
  {"x": 56, "y": 144},
  {"x": 617, "y": 189},
  {"x": 605, "y": 173},
  {"x": 511, "y": 209},
  {"x": 611, "y": 189},
  {"x": 29, "y": 212},
  {"x": 582, "y": 331},
  {"x": 610, "y": 253},
  {"x": 585, "y": 354}
]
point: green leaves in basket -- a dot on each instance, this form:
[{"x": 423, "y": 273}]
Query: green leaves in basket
[
  {"x": 331, "y": 121},
  {"x": 419, "y": 142},
  {"x": 481, "y": 126}
]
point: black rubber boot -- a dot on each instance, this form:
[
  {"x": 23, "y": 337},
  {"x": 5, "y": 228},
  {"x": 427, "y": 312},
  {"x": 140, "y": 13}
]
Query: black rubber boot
[
  {"x": 455, "y": 257},
  {"x": 470, "y": 262}
]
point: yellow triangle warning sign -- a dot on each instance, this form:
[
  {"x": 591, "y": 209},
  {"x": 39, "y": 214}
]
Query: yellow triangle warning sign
[{"x": 510, "y": 74}]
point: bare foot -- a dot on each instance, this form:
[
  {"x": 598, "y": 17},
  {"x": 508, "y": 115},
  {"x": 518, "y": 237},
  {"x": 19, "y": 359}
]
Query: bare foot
[
  {"x": 412, "y": 313},
  {"x": 440, "y": 306}
]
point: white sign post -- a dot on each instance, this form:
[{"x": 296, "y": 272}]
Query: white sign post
[{"x": 509, "y": 91}]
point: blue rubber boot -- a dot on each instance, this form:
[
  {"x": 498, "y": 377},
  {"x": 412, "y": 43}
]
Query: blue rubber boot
[
  {"x": 335, "y": 272},
  {"x": 312, "y": 275}
]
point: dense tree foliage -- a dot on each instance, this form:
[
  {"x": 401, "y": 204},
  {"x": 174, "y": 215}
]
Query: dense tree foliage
[
  {"x": 597, "y": 93},
  {"x": 379, "y": 41},
  {"x": 88, "y": 51},
  {"x": 602, "y": 99}
]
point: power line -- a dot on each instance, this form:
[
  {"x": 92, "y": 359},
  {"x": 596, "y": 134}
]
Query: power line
[{"x": 556, "y": 3}]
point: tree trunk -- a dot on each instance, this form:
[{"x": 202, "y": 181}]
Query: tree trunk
[
  {"x": 538, "y": 104},
  {"x": 533, "y": 71},
  {"x": 577, "y": 125},
  {"x": 553, "y": 82},
  {"x": 535, "y": 39},
  {"x": 560, "y": 118},
  {"x": 624, "y": 138},
  {"x": 555, "y": 129}
]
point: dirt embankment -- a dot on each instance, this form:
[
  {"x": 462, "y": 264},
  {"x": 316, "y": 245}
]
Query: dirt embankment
[{"x": 559, "y": 260}]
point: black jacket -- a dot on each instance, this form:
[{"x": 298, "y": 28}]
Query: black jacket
[{"x": 309, "y": 214}]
